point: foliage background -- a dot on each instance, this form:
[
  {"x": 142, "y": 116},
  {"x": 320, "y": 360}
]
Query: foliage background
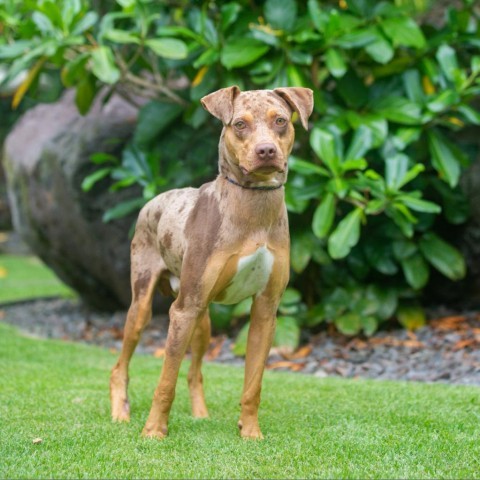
[{"x": 374, "y": 185}]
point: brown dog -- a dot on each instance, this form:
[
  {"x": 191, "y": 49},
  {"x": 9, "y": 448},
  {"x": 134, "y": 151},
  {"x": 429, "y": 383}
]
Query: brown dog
[{"x": 224, "y": 242}]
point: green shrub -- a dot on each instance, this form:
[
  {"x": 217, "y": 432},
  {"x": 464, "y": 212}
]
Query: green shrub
[{"x": 373, "y": 183}]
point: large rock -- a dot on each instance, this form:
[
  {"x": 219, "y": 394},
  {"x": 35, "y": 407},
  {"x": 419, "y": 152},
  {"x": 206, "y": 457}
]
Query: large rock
[{"x": 46, "y": 158}]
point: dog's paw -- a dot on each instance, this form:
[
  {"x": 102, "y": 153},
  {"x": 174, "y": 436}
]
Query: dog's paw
[
  {"x": 250, "y": 431},
  {"x": 151, "y": 432},
  {"x": 121, "y": 411},
  {"x": 199, "y": 410}
]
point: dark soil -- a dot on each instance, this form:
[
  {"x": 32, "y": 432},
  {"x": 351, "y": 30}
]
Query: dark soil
[{"x": 447, "y": 350}]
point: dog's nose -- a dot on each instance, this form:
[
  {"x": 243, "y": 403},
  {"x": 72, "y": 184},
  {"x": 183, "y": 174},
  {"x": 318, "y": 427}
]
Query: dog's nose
[{"x": 266, "y": 151}]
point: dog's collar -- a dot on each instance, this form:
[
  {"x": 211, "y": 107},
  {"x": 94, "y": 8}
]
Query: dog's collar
[{"x": 254, "y": 187}]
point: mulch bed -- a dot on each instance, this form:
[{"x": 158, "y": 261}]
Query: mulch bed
[{"x": 446, "y": 350}]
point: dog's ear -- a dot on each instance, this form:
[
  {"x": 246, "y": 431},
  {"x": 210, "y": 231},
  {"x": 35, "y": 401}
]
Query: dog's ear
[
  {"x": 300, "y": 100},
  {"x": 220, "y": 103}
]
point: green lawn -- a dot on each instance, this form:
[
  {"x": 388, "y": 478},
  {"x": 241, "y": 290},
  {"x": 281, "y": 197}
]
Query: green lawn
[
  {"x": 313, "y": 428},
  {"x": 23, "y": 278}
]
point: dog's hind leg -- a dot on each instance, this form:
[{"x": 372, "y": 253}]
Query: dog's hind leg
[
  {"x": 199, "y": 345},
  {"x": 147, "y": 267}
]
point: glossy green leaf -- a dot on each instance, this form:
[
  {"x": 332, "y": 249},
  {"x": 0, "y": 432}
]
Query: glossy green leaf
[
  {"x": 380, "y": 49},
  {"x": 403, "y": 31},
  {"x": 324, "y": 216},
  {"x": 103, "y": 65},
  {"x": 300, "y": 252},
  {"x": 91, "y": 180},
  {"x": 323, "y": 144},
  {"x": 369, "y": 325},
  {"x": 172, "y": 48},
  {"x": 239, "y": 52},
  {"x": 287, "y": 334},
  {"x": 85, "y": 93},
  {"x": 123, "y": 208},
  {"x": 240, "y": 346},
  {"x": 121, "y": 36},
  {"x": 400, "y": 110},
  {"x": 361, "y": 142},
  {"x": 290, "y": 296},
  {"x": 443, "y": 101},
  {"x": 470, "y": 114},
  {"x": 306, "y": 168},
  {"x": 419, "y": 205},
  {"x": 242, "y": 308},
  {"x": 349, "y": 323},
  {"x": 447, "y": 58},
  {"x": 346, "y": 234},
  {"x": 356, "y": 39},
  {"x": 443, "y": 256},
  {"x": 395, "y": 170},
  {"x": 85, "y": 23},
  {"x": 281, "y": 14},
  {"x": 335, "y": 62},
  {"x": 444, "y": 158},
  {"x": 416, "y": 271}
]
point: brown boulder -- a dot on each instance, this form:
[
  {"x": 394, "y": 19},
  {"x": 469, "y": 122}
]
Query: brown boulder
[{"x": 46, "y": 158}]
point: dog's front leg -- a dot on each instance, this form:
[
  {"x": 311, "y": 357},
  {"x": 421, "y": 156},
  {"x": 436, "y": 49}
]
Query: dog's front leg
[
  {"x": 260, "y": 337},
  {"x": 182, "y": 324}
]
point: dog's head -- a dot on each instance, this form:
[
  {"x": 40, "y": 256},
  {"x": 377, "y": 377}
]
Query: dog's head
[{"x": 258, "y": 133}]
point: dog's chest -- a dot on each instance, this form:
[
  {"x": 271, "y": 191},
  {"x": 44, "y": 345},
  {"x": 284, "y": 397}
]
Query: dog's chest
[{"x": 251, "y": 276}]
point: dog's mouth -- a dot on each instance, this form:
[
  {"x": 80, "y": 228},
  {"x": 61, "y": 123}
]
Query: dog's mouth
[{"x": 262, "y": 170}]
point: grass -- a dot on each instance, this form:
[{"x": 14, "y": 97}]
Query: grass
[
  {"x": 23, "y": 277},
  {"x": 314, "y": 428}
]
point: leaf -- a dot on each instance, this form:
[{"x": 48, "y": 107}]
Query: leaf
[
  {"x": 306, "y": 168},
  {"x": 419, "y": 205},
  {"x": 346, "y": 235},
  {"x": 323, "y": 144},
  {"x": 447, "y": 58},
  {"x": 123, "y": 209},
  {"x": 239, "y": 52},
  {"x": 356, "y": 39},
  {"x": 324, "y": 216},
  {"x": 380, "y": 49},
  {"x": 171, "y": 48},
  {"x": 85, "y": 93},
  {"x": 443, "y": 256},
  {"x": 121, "y": 36},
  {"x": 400, "y": 110},
  {"x": 287, "y": 334},
  {"x": 416, "y": 271},
  {"x": 290, "y": 296},
  {"x": 411, "y": 317},
  {"x": 470, "y": 114},
  {"x": 281, "y": 14},
  {"x": 349, "y": 323},
  {"x": 84, "y": 23},
  {"x": 240, "y": 347},
  {"x": 103, "y": 65},
  {"x": 444, "y": 158},
  {"x": 443, "y": 101},
  {"x": 395, "y": 170},
  {"x": 42, "y": 22},
  {"x": 25, "y": 85},
  {"x": 335, "y": 62},
  {"x": 403, "y": 31},
  {"x": 361, "y": 142},
  {"x": 242, "y": 308},
  {"x": 229, "y": 13},
  {"x": 153, "y": 119},
  {"x": 91, "y": 180},
  {"x": 369, "y": 325},
  {"x": 301, "y": 251}
]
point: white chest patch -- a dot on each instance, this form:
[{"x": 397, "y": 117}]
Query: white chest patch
[{"x": 251, "y": 276}]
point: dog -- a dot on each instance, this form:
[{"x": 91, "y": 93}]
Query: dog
[{"x": 223, "y": 242}]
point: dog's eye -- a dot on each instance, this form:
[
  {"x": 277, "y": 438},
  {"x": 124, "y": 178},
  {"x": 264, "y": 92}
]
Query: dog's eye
[
  {"x": 280, "y": 121},
  {"x": 240, "y": 125}
]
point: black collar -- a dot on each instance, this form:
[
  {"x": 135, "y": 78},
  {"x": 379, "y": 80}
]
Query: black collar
[{"x": 253, "y": 187}]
